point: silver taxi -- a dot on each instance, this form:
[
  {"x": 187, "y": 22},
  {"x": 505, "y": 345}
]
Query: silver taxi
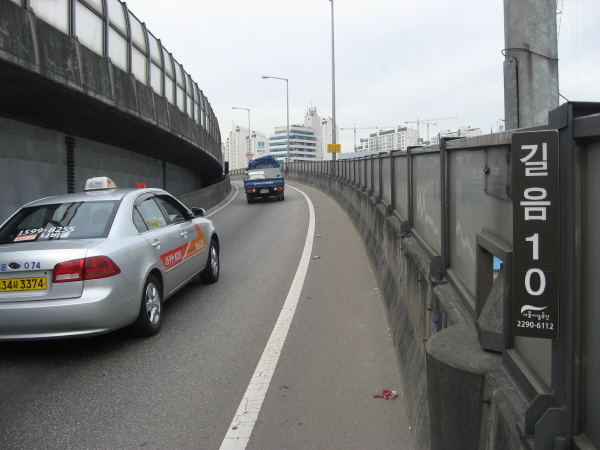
[{"x": 92, "y": 262}]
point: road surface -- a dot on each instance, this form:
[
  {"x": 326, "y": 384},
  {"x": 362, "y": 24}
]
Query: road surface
[{"x": 182, "y": 389}]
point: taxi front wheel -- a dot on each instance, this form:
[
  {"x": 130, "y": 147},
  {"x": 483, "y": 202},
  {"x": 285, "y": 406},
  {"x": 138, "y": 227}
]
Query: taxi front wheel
[{"x": 150, "y": 317}]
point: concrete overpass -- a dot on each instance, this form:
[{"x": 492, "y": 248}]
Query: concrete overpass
[{"x": 86, "y": 88}]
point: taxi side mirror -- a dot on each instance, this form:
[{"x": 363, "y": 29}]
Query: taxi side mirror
[{"x": 198, "y": 212}]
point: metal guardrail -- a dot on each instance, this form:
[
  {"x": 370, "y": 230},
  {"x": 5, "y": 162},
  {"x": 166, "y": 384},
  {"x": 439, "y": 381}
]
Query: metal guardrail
[{"x": 428, "y": 187}]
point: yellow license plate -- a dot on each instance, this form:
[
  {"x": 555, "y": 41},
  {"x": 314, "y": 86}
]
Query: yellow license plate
[{"x": 23, "y": 284}]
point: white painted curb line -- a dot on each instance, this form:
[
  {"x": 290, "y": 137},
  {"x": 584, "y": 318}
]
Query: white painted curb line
[{"x": 241, "y": 427}]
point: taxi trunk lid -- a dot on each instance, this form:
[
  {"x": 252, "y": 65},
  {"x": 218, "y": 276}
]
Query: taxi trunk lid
[{"x": 27, "y": 269}]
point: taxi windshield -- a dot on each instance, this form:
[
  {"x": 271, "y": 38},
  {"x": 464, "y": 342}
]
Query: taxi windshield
[{"x": 59, "y": 221}]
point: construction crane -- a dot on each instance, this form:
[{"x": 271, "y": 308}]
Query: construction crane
[
  {"x": 559, "y": 7},
  {"x": 428, "y": 122},
  {"x": 364, "y": 128}
]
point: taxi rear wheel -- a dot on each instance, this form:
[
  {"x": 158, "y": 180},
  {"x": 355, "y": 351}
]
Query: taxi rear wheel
[
  {"x": 150, "y": 317},
  {"x": 210, "y": 274}
]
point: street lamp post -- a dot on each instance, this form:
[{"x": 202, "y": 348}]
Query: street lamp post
[
  {"x": 334, "y": 131},
  {"x": 287, "y": 93},
  {"x": 249, "y": 131}
]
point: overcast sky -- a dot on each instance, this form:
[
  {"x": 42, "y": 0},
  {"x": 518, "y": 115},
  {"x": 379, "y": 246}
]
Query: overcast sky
[{"x": 395, "y": 60}]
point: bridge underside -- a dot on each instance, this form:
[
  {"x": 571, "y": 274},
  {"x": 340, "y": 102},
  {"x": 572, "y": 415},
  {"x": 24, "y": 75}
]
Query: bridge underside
[
  {"x": 28, "y": 97},
  {"x": 51, "y": 80}
]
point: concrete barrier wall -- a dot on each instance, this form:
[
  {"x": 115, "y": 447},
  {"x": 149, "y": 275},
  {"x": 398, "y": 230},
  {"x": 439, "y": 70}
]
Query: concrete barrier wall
[
  {"x": 445, "y": 374},
  {"x": 28, "y": 150},
  {"x": 208, "y": 197}
]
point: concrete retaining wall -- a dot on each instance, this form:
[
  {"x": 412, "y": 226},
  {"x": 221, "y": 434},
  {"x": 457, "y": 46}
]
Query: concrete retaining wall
[
  {"x": 208, "y": 197},
  {"x": 458, "y": 396},
  {"x": 42, "y": 156}
]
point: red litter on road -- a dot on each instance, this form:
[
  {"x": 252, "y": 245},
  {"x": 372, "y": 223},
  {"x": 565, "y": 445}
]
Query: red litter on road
[{"x": 386, "y": 394}]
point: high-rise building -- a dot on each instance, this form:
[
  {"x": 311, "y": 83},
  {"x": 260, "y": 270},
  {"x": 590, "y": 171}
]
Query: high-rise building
[
  {"x": 322, "y": 126},
  {"x": 307, "y": 142},
  {"x": 302, "y": 144},
  {"x": 235, "y": 149},
  {"x": 326, "y": 138}
]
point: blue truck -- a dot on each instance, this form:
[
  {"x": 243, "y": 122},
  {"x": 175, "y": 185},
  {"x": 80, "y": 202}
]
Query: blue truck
[{"x": 264, "y": 179}]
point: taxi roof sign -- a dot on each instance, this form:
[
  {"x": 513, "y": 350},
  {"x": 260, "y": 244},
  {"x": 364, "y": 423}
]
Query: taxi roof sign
[{"x": 97, "y": 183}]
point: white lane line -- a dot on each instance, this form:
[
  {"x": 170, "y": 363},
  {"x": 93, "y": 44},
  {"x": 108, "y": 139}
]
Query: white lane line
[
  {"x": 241, "y": 427},
  {"x": 223, "y": 206}
]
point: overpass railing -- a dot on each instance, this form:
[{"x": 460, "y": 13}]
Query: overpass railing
[
  {"x": 109, "y": 29},
  {"x": 428, "y": 188},
  {"x": 457, "y": 200}
]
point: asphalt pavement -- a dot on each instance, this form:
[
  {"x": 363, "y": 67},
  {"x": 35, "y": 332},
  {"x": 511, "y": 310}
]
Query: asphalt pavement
[{"x": 337, "y": 355}]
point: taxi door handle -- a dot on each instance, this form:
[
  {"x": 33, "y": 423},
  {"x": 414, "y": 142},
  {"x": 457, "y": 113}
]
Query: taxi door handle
[{"x": 156, "y": 244}]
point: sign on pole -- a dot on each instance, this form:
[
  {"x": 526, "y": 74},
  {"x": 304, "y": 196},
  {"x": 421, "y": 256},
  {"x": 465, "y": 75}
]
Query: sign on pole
[
  {"x": 536, "y": 235},
  {"x": 334, "y": 148}
]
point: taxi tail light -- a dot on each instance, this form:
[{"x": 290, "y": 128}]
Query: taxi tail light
[
  {"x": 85, "y": 269},
  {"x": 69, "y": 271},
  {"x": 100, "y": 267}
]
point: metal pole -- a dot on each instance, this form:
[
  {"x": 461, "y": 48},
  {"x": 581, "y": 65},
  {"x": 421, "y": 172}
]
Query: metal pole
[
  {"x": 333, "y": 132},
  {"x": 249, "y": 135},
  {"x": 531, "y": 62},
  {"x": 287, "y": 94}
]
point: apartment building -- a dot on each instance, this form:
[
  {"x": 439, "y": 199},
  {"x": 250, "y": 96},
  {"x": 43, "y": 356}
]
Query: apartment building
[
  {"x": 235, "y": 147},
  {"x": 398, "y": 138}
]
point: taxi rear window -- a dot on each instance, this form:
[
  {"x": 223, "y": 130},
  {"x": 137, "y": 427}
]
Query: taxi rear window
[{"x": 60, "y": 221}]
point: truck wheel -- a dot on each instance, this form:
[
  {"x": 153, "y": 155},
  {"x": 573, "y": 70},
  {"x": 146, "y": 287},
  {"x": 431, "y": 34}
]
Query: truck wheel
[{"x": 249, "y": 199}]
